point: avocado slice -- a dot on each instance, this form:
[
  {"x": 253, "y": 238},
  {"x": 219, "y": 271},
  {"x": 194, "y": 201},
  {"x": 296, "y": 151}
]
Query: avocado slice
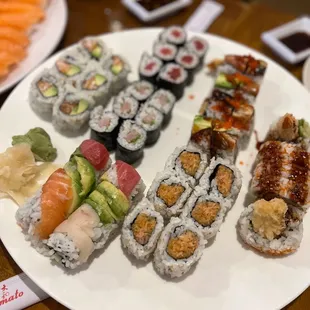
[
  {"x": 96, "y": 52},
  {"x": 80, "y": 108},
  {"x": 117, "y": 201},
  {"x": 100, "y": 79},
  {"x": 116, "y": 69},
  {"x": 52, "y": 91},
  {"x": 221, "y": 81},
  {"x": 200, "y": 123},
  {"x": 87, "y": 174},
  {"x": 73, "y": 70},
  {"x": 303, "y": 128},
  {"x": 99, "y": 203}
]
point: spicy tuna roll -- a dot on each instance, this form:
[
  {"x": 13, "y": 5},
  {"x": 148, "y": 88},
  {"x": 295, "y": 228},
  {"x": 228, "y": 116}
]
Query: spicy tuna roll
[
  {"x": 164, "y": 51},
  {"x": 174, "y": 78},
  {"x": 104, "y": 127},
  {"x": 149, "y": 68},
  {"x": 140, "y": 90},
  {"x": 45, "y": 91},
  {"x": 125, "y": 106},
  {"x": 150, "y": 119},
  {"x": 175, "y": 35},
  {"x": 179, "y": 248},
  {"x": 130, "y": 142},
  {"x": 199, "y": 46},
  {"x": 141, "y": 229}
]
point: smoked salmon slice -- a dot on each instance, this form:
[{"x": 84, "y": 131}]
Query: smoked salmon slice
[
  {"x": 56, "y": 200},
  {"x": 14, "y": 35}
]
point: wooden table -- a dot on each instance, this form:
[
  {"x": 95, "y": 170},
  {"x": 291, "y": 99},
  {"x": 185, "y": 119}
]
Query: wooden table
[{"x": 241, "y": 21}]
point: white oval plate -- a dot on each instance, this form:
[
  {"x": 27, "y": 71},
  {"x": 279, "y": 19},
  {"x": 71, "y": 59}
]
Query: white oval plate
[
  {"x": 306, "y": 74},
  {"x": 44, "y": 40},
  {"x": 229, "y": 275}
]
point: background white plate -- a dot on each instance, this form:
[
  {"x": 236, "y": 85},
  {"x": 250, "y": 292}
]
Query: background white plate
[
  {"x": 45, "y": 38},
  {"x": 306, "y": 74},
  {"x": 229, "y": 276}
]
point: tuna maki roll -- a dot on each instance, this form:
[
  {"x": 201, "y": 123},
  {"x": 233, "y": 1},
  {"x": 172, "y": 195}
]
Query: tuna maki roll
[
  {"x": 104, "y": 127},
  {"x": 150, "y": 119},
  {"x": 125, "y": 106},
  {"x": 141, "y": 229},
  {"x": 140, "y": 90},
  {"x": 130, "y": 142},
  {"x": 45, "y": 91},
  {"x": 164, "y": 51},
  {"x": 168, "y": 193},
  {"x": 189, "y": 61},
  {"x": 163, "y": 100},
  {"x": 174, "y": 78},
  {"x": 175, "y": 35},
  {"x": 199, "y": 46},
  {"x": 149, "y": 68},
  {"x": 179, "y": 248}
]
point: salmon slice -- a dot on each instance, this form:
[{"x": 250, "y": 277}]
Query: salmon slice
[
  {"x": 14, "y": 35},
  {"x": 8, "y": 59},
  {"x": 56, "y": 200},
  {"x": 13, "y": 7},
  {"x": 4, "y": 70},
  {"x": 21, "y": 21},
  {"x": 12, "y": 48},
  {"x": 33, "y": 2}
]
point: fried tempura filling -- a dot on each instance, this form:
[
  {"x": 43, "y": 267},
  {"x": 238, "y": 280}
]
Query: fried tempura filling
[
  {"x": 190, "y": 162},
  {"x": 205, "y": 212},
  {"x": 143, "y": 227},
  {"x": 224, "y": 180},
  {"x": 170, "y": 193}
]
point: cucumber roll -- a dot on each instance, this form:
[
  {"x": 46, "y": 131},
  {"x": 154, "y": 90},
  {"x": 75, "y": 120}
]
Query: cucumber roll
[
  {"x": 72, "y": 112},
  {"x": 96, "y": 82},
  {"x": 45, "y": 91},
  {"x": 189, "y": 61},
  {"x": 207, "y": 211},
  {"x": 119, "y": 69},
  {"x": 141, "y": 230},
  {"x": 151, "y": 121},
  {"x": 223, "y": 179},
  {"x": 164, "y": 51},
  {"x": 169, "y": 193},
  {"x": 179, "y": 248},
  {"x": 140, "y": 90},
  {"x": 104, "y": 127},
  {"x": 163, "y": 100},
  {"x": 175, "y": 35},
  {"x": 149, "y": 68},
  {"x": 199, "y": 46},
  {"x": 189, "y": 162},
  {"x": 174, "y": 78},
  {"x": 130, "y": 142},
  {"x": 125, "y": 106}
]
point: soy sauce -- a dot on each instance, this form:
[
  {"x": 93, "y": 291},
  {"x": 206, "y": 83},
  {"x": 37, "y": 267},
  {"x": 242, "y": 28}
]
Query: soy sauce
[
  {"x": 151, "y": 5},
  {"x": 297, "y": 42}
]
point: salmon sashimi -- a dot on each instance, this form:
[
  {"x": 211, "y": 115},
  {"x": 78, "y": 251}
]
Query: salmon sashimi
[
  {"x": 12, "y": 48},
  {"x": 4, "y": 70},
  {"x": 21, "y": 21},
  {"x": 56, "y": 200},
  {"x": 14, "y": 35},
  {"x": 33, "y": 2},
  {"x": 12, "y": 7},
  {"x": 7, "y": 59}
]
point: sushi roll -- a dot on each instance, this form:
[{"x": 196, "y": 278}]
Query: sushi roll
[
  {"x": 163, "y": 100},
  {"x": 271, "y": 227},
  {"x": 166, "y": 52},
  {"x": 125, "y": 106},
  {"x": 45, "y": 91},
  {"x": 174, "y": 78},
  {"x": 189, "y": 61},
  {"x": 96, "y": 82},
  {"x": 140, "y": 90},
  {"x": 104, "y": 127},
  {"x": 130, "y": 142},
  {"x": 179, "y": 248},
  {"x": 189, "y": 162},
  {"x": 72, "y": 112},
  {"x": 168, "y": 193},
  {"x": 141, "y": 229},
  {"x": 93, "y": 48},
  {"x": 127, "y": 179},
  {"x": 149, "y": 68},
  {"x": 119, "y": 69},
  {"x": 150, "y": 119},
  {"x": 207, "y": 212},
  {"x": 222, "y": 179},
  {"x": 175, "y": 35},
  {"x": 199, "y": 46}
]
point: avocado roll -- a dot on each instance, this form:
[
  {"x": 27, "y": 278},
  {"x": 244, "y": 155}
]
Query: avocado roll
[
  {"x": 169, "y": 193},
  {"x": 125, "y": 106},
  {"x": 164, "y": 51},
  {"x": 104, "y": 127},
  {"x": 130, "y": 142},
  {"x": 45, "y": 91},
  {"x": 149, "y": 68},
  {"x": 174, "y": 78},
  {"x": 151, "y": 121},
  {"x": 199, "y": 46},
  {"x": 175, "y": 35},
  {"x": 179, "y": 248},
  {"x": 141, "y": 229},
  {"x": 140, "y": 90}
]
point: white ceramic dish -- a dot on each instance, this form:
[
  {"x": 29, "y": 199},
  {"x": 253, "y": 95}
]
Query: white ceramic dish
[
  {"x": 229, "y": 275},
  {"x": 306, "y": 74},
  {"x": 150, "y": 16},
  {"x": 271, "y": 38},
  {"x": 44, "y": 40}
]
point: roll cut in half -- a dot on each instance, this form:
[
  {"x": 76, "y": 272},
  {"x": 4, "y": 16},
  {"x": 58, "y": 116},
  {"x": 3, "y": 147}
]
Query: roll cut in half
[
  {"x": 180, "y": 246},
  {"x": 141, "y": 230},
  {"x": 271, "y": 227}
]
